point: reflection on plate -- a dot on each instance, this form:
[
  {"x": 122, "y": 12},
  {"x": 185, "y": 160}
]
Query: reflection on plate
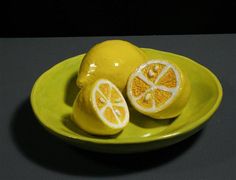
[{"x": 54, "y": 92}]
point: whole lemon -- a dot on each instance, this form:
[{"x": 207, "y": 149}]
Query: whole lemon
[{"x": 114, "y": 60}]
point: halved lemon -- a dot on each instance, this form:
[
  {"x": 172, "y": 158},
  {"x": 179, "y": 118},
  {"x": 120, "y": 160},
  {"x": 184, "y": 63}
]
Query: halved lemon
[
  {"x": 158, "y": 89},
  {"x": 101, "y": 109}
]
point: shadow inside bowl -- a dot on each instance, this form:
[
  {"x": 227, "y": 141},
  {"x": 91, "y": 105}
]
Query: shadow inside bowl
[
  {"x": 71, "y": 90},
  {"x": 147, "y": 122}
]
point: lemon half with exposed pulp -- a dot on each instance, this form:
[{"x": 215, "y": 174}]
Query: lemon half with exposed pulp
[
  {"x": 158, "y": 89},
  {"x": 114, "y": 60},
  {"x": 100, "y": 108}
]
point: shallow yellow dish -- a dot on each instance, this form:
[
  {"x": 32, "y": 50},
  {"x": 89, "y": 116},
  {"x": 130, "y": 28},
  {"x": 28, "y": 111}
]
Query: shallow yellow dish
[{"x": 54, "y": 92}]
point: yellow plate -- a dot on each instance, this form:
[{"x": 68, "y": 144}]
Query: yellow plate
[{"x": 54, "y": 92}]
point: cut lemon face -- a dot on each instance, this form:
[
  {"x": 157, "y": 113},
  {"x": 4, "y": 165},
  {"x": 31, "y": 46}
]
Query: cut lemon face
[
  {"x": 158, "y": 89},
  {"x": 101, "y": 109}
]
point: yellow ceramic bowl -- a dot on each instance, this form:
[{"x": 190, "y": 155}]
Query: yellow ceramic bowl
[{"x": 54, "y": 92}]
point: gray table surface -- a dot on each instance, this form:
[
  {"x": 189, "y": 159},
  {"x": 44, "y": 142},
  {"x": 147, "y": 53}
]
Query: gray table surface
[{"x": 27, "y": 151}]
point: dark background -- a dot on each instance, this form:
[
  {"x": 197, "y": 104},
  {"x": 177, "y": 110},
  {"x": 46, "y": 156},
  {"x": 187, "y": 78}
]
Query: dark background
[{"x": 116, "y": 17}]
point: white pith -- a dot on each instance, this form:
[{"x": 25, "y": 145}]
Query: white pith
[
  {"x": 139, "y": 73},
  {"x": 100, "y": 112}
]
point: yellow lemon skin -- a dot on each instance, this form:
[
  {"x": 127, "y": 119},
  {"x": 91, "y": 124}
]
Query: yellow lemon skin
[
  {"x": 113, "y": 60},
  {"x": 85, "y": 116}
]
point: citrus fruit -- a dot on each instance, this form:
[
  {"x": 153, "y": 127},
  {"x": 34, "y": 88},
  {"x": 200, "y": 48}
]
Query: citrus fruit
[
  {"x": 113, "y": 60},
  {"x": 100, "y": 108},
  {"x": 158, "y": 89}
]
